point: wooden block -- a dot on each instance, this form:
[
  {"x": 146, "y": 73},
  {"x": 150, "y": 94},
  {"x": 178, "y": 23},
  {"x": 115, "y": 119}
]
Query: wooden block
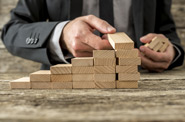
[
  {"x": 164, "y": 47},
  {"x": 83, "y": 77},
  {"x": 41, "y": 85},
  {"x": 158, "y": 46},
  {"x": 21, "y": 83},
  {"x": 127, "y": 53},
  {"x": 153, "y": 43},
  {"x": 104, "y": 61},
  {"x": 61, "y": 78},
  {"x": 104, "y": 69},
  {"x": 120, "y": 41},
  {"x": 104, "y": 77},
  {"x": 126, "y": 69},
  {"x": 62, "y": 85},
  {"x": 161, "y": 39},
  {"x": 128, "y": 77},
  {"x": 105, "y": 85},
  {"x": 82, "y": 70},
  {"x": 146, "y": 45},
  {"x": 129, "y": 61},
  {"x": 82, "y": 61},
  {"x": 104, "y": 53},
  {"x": 41, "y": 76},
  {"x": 83, "y": 85},
  {"x": 126, "y": 84},
  {"x": 61, "y": 69}
]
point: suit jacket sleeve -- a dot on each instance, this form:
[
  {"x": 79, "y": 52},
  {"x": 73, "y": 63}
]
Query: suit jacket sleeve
[
  {"x": 27, "y": 33},
  {"x": 166, "y": 26}
]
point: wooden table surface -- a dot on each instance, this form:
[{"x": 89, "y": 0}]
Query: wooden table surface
[{"x": 160, "y": 97}]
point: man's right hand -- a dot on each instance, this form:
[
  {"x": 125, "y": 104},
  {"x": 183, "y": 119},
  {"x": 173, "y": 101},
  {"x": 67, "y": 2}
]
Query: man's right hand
[{"x": 79, "y": 39}]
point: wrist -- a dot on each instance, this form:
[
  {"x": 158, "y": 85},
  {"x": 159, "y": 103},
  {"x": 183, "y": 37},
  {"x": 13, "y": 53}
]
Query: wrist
[{"x": 62, "y": 39}]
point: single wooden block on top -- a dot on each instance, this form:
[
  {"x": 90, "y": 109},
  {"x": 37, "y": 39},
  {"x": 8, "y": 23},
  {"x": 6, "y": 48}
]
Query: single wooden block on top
[
  {"x": 127, "y": 53},
  {"x": 104, "y": 69},
  {"x": 83, "y": 77},
  {"x": 104, "y": 53},
  {"x": 104, "y": 61},
  {"x": 62, "y": 85},
  {"x": 126, "y": 69},
  {"x": 126, "y": 84},
  {"x": 21, "y": 83},
  {"x": 61, "y": 78},
  {"x": 120, "y": 41},
  {"x": 82, "y": 61},
  {"x": 82, "y": 70},
  {"x": 129, "y": 61},
  {"x": 61, "y": 69},
  {"x": 128, "y": 76},
  {"x": 40, "y": 76},
  {"x": 104, "y": 77},
  {"x": 83, "y": 85},
  {"x": 105, "y": 85}
]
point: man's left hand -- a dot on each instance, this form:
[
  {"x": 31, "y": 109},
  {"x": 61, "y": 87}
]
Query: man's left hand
[{"x": 155, "y": 61}]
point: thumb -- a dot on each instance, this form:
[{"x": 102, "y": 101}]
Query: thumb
[
  {"x": 147, "y": 38},
  {"x": 99, "y": 24}
]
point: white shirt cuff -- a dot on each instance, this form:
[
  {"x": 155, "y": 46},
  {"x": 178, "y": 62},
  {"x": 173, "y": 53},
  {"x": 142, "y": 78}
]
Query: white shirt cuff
[
  {"x": 178, "y": 55},
  {"x": 56, "y": 52}
]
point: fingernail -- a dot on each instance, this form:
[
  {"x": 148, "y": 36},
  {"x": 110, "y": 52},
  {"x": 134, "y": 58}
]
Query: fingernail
[
  {"x": 109, "y": 29},
  {"x": 142, "y": 49},
  {"x": 142, "y": 38}
]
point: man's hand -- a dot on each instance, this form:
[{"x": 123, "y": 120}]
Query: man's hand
[
  {"x": 78, "y": 37},
  {"x": 155, "y": 61}
]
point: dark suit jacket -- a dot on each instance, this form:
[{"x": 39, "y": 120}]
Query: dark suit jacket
[{"x": 27, "y": 33}]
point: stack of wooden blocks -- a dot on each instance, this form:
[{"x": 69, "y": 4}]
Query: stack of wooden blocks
[
  {"x": 158, "y": 44},
  {"x": 61, "y": 76},
  {"x": 127, "y": 61},
  {"x": 106, "y": 69},
  {"x": 83, "y": 72},
  {"x": 40, "y": 79}
]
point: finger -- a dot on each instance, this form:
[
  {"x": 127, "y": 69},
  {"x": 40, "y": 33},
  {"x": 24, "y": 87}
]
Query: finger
[
  {"x": 170, "y": 49},
  {"x": 151, "y": 65},
  {"x": 153, "y": 55},
  {"x": 147, "y": 38},
  {"x": 159, "y": 70},
  {"x": 83, "y": 54},
  {"x": 80, "y": 46},
  {"x": 99, "y": 24},
  {"x": 155, "y": 71},
  {"x": 105, "y": 37},
  {"x": 96, "y": 42}
]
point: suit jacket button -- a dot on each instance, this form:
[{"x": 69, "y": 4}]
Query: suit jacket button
[
  {"x": 36, "y": 40},
  {"x": 32, "y": 40},
  {"x": 28, "y": 41}
]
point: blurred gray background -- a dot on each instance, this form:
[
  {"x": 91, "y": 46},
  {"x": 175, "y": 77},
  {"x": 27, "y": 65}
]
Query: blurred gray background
[{"x": 12, "y": 64}]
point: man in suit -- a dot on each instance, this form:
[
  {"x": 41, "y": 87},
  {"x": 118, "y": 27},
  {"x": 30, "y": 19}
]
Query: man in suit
[{"x": 53, "y": 32}]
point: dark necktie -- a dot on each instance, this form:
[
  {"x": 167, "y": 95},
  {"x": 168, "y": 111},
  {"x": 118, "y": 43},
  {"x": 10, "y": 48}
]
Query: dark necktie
[
  {"x": 106, "y": 11},
  {"x": 75, "y": 8}
]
